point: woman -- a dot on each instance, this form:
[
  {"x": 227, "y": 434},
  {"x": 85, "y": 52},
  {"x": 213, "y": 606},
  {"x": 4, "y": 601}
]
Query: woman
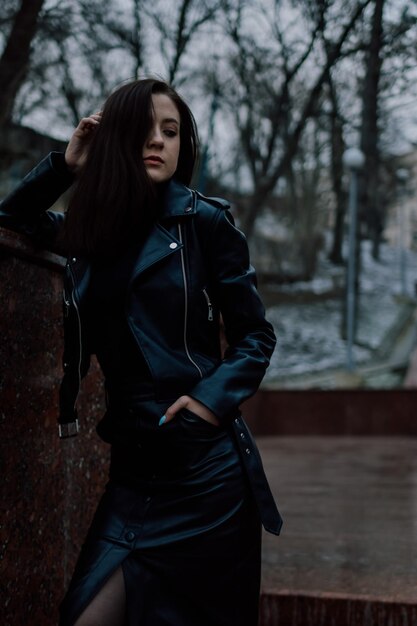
[{"x": 151, "y": 266}]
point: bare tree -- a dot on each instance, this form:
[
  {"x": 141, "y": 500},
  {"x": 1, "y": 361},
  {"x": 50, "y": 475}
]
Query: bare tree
[
  {"x": 14, "y": 61},
  {"x": 117, "y": 29},
  {"x": 176, "y": 35},
  {"x": 273, "y": 98},
  {"x": 370, "y": 201},
  {"x": 81, "y": 52},
  {"x": 337, "y": 144}
]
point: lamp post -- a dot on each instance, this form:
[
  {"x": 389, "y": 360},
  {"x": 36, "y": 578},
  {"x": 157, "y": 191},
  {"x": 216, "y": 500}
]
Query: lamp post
[
  {"x": 354, "y": 160},
  {"x": 402, "y": 175}
]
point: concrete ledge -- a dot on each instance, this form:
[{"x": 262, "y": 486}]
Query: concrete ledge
[
  {"x": 16, "y": 245},
  {"x": 370, "y": 412}
]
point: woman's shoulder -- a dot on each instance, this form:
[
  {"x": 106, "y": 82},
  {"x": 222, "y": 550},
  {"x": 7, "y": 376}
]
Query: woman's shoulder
[
  {"x": 212, "y": 201},
  {"x": 184, "y": 201},
  {"x": 210, "y": 212}
]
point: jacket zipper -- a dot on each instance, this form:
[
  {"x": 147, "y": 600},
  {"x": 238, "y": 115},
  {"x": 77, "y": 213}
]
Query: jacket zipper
[
  {"x": 186, "y": 304},
  {"x": 79, "y": 334},
  {"x": 210, "y": 306}
]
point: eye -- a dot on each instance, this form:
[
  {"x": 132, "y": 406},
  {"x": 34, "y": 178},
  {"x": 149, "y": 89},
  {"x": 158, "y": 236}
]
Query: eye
[{"x": 170, "y": 133}]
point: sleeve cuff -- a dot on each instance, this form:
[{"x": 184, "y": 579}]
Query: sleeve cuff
[{"x": 60, "y": 166}]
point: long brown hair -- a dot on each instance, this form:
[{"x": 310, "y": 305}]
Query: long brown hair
[{"x": 113, "y": 195}]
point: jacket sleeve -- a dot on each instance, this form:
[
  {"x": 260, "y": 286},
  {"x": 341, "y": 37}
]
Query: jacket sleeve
[
  {"x": 250, "y": 336},
  {"x": 25, "y": 209}
]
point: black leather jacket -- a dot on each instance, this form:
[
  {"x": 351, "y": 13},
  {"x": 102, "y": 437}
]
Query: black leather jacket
[{"x": 193, "y": 265}]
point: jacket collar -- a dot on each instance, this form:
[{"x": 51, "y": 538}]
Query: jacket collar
[{"x": 179, "y": 201}]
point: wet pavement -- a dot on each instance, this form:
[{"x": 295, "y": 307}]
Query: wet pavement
[{"x": 350, "y": 520}]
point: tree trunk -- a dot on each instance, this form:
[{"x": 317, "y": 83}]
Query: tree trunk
[
  {"x": 15, "y": 58},
  {"x": 336, "y": 168},
  {"x": 137, "y": 37},
  {"x": 370, "y": 205},
  {"x": 258, "y": 201}
]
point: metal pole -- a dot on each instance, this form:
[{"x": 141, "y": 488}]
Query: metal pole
[
  {"x": 351, "y": 269},
  {"x": 403, "y": 269},
  {"x": 402, "y": 175}
]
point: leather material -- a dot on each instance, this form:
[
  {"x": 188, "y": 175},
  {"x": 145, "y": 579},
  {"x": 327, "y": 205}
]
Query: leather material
[
  {"x": 178, "y": 515},
  {"x": 192, "y": 253}
]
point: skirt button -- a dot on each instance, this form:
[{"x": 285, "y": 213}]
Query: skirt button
[{"x": 130, "y": 536}]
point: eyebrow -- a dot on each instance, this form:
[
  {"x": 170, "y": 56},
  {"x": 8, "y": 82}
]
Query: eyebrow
[{"x": 170, "y": 120}]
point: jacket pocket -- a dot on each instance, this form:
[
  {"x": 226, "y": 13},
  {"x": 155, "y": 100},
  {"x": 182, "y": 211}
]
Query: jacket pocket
[{"x": 191, "y": 417}]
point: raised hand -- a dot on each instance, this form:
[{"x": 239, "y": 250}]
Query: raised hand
[{"x": 77, "y": 149}]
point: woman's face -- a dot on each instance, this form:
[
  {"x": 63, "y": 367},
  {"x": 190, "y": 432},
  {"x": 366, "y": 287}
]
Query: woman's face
[{"x": 162, "y": 147}]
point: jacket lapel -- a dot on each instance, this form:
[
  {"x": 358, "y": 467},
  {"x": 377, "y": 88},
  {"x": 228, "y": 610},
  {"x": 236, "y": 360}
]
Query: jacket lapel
[{"x": 158, "y": 245}]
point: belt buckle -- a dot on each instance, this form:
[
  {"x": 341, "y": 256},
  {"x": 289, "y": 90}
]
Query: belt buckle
[{"x": 69, "y": 429}]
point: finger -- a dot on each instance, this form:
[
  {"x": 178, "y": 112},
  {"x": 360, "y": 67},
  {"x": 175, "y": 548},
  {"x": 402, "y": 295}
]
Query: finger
[
  {"x": 88, "y": 122},
  {"x": 172, "y": 410},
  {"x": 83, "y": 132}
]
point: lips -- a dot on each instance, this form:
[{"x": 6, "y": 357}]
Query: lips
[{"x": 153, "y": 159}]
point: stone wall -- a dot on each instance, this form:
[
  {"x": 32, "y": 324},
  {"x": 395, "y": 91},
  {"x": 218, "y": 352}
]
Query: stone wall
[{"x": 49, "y": 487}]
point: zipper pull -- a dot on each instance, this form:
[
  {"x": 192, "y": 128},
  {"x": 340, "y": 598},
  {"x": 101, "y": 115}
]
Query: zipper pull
[{"x": 210, "y": 306}]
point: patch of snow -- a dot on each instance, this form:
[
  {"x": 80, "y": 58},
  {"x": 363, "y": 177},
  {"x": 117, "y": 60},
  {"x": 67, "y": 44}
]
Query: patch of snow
[
  {"x": 309, "y": 333},
  {"x": 269, "y": 227},
  {"x": 315, "y": 286}
]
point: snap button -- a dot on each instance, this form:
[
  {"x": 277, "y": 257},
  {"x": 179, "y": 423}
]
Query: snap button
[
  {"x": 242, "y": 436},
  {"x": 130, "y": 536},
  {"x": 74, "y": 258},
  {"x": 236, "y": 421},
  {"x": 173, "y": 245},
  {"x": 188, "y": 209},
  {"x": 247, "y": 451}
]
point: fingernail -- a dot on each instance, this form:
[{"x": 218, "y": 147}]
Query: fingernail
[{"x": 162, "y": 420}]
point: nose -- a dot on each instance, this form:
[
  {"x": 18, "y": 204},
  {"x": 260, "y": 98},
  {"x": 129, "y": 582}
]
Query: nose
[{"x": 155, "y": 137}]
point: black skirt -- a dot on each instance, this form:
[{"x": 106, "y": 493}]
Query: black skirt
[{"x": 178, "y": 516}]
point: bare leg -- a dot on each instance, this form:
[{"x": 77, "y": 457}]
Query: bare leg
[{"x": 108, "y": 607}]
